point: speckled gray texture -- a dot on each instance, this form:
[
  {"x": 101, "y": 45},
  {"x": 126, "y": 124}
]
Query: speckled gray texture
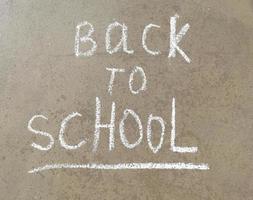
[{"x": 39, "y": 74}]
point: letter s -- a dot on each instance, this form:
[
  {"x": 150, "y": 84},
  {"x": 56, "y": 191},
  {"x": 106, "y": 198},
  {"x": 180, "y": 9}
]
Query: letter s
[{"x": 37, "y": 132}]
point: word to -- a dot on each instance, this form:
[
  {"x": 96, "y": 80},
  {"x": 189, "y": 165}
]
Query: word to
[{"x": 85, "y": 46}]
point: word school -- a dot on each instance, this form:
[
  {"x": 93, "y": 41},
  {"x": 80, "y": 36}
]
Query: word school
[
  {"x": 111, "y": 126},
  {"x": 118, "y": 129},
  {"x": 122, "y": 45}
]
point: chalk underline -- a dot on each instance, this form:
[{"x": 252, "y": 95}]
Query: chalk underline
[{"x": 122, "y": 166}]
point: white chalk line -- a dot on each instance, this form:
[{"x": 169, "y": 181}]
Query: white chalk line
[{"x": 123, "y": 166}]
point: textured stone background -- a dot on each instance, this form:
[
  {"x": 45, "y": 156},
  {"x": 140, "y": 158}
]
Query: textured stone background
[{"x": 39, "y": 74}]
